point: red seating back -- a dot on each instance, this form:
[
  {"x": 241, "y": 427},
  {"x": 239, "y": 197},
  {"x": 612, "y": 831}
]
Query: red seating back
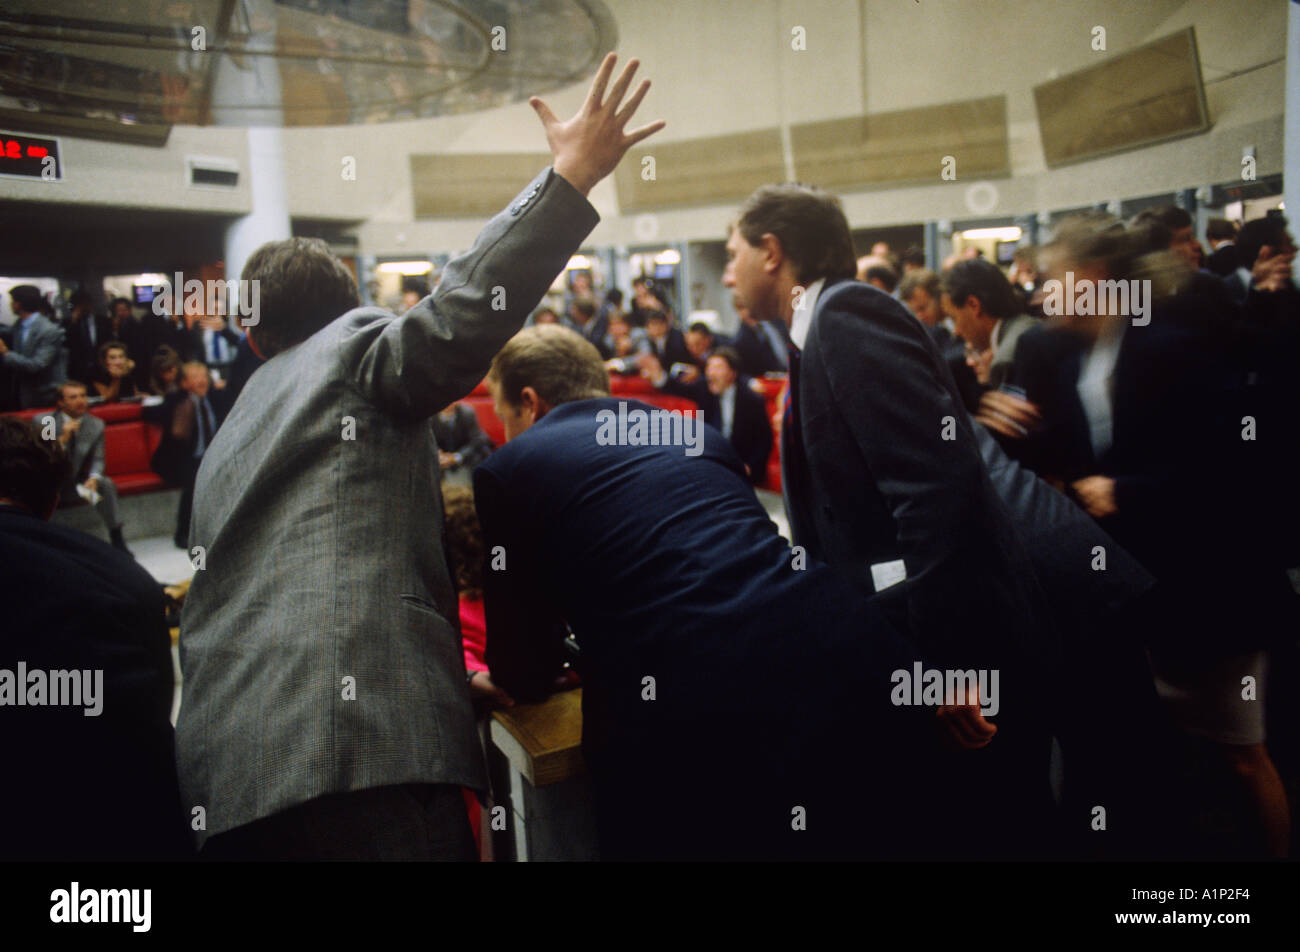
[
  {"x": 487, "y": 417},
  {"x": 129, "y": 444}
]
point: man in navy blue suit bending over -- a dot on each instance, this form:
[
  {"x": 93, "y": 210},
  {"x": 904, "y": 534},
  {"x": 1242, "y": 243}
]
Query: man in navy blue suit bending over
[{"x": 736, "y": 696}]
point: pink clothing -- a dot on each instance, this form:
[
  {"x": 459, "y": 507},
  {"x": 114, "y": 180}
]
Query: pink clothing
[{"x": 473, "y": 628}]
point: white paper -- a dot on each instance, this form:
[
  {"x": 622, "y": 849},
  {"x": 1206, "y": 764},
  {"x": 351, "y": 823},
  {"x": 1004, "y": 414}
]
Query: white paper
[{"x": 885, "y": 574}]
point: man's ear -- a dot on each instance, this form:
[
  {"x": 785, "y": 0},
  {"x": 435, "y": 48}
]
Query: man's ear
[
  {"x": 252, "y": 343},
  {"x": 773, "y": 253},
  {"x": 530, "y": 399}
]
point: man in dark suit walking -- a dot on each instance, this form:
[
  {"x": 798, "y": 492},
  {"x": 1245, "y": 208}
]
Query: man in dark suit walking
[
  {"x": 715, "y": 660},
  {"x": 94, "y": 776},
  {"x": 883, "y": 479}
]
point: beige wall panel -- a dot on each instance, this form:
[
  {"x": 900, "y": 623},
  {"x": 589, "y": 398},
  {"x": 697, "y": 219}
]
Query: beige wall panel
[
  {"x": 699, "y": 171},
  {"x": 907, "y": 145},
  {"x": 474, "y": 186},
  {"x": 1147, "y": 95}
]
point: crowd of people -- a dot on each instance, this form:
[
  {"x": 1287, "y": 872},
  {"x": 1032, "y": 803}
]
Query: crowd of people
[
  {"x": 1077, "y": 513},
  {"x": 187, "y": 372}
]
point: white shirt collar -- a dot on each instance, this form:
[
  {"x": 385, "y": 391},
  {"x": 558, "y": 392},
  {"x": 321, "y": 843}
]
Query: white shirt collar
[{"x": 802, "y": 322}]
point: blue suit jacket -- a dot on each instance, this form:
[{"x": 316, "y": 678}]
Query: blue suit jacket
[{"x": 666, "y": 566}]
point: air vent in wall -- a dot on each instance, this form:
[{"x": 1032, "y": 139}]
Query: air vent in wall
[{"x": 212, "y": 173}]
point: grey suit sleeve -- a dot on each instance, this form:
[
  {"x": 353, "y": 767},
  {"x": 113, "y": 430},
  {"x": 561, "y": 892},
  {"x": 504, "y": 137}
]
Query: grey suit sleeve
[
  {"x": 45, "y": 354},
  {"x": 414, "y": 365},
  {"x": 97, "y": 454}
]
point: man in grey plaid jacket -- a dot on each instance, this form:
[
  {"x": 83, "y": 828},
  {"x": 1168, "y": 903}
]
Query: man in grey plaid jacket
[{"x": 325, "y": 713}]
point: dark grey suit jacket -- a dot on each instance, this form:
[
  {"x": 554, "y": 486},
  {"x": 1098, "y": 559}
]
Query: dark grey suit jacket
[
  {"x": 319, "y": 510},
  {"x": 86, "y": 448}
]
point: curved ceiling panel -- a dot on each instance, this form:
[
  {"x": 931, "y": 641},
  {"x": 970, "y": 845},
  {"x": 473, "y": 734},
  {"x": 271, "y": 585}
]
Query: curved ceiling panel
[{"x": 291, "y": 62}]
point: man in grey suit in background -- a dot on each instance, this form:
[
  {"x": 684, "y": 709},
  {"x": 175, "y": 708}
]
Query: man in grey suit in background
[
  {"x": 325, "y": 712},
  {"x": 81, "y": 435},
  {"x": 37, "y": 357}
]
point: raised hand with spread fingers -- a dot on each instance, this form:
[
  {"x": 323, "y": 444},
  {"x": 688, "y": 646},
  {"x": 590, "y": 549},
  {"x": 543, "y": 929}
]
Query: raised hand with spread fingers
[{"x": 588, "y": 146}]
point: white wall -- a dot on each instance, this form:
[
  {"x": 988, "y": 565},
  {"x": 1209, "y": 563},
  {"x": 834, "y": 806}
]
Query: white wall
[
  {"x": 109, "y": 173},
  {"x": 723, "y": 66}
]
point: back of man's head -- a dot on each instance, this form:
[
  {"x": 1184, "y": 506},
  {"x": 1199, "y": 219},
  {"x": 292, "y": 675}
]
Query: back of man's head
[
  {"x": 1171, "y": 216},
  {"x": 417, "y": 286},
  {"x": 32, "y": 470},
  {"x": 556, "y": 362},
  {"x": 883, "y": 277},
  {"x": 1270, "y": 231},
  {"x": 810, "y": 225},
  {"x": 984, "y": 281},
  {"x": 912, "y": 258},
  {"x": 26, "y": 296},
  {"x": 1220, "y": 229},
  {"x": 303, "y": 288},
  {"x": 1149, "y": 223}
]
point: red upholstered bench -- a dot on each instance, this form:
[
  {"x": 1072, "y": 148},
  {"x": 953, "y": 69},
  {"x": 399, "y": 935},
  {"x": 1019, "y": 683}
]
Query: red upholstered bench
[
  {"x": 129, "y": 444},
  {"x": 128, "y": 447}
]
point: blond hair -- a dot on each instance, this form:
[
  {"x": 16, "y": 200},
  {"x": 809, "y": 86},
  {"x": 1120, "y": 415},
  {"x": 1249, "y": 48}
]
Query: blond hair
[{"x": 556, "y": 362}]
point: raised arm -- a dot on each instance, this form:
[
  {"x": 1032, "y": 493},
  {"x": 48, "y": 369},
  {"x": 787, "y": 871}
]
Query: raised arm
[{"x": 440, "y": 349}]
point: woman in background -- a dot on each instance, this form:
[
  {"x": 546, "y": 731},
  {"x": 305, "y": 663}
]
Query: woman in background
[{"x": 112, "y": 380}]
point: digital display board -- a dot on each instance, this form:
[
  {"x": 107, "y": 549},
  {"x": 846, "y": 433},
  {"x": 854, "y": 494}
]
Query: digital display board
[{"x": 30, "y": 157}]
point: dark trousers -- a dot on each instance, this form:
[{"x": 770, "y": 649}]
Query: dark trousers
[
  {"x": 410, "y": 821},
  {"x": 186, "y": 505}
]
